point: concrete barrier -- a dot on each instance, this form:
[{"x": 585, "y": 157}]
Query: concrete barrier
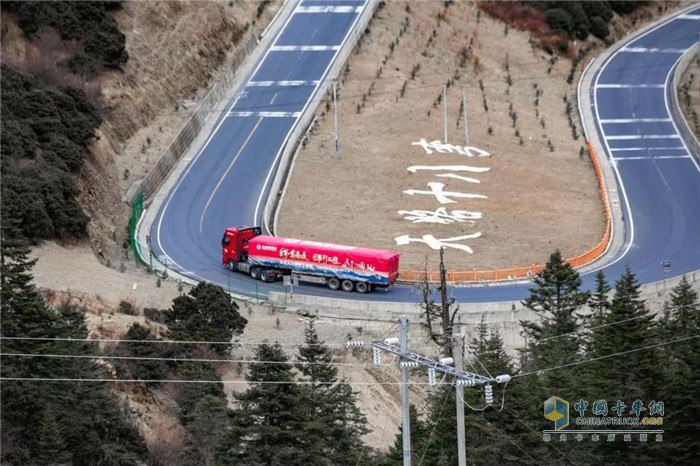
[{"x": 683, "y": 125}]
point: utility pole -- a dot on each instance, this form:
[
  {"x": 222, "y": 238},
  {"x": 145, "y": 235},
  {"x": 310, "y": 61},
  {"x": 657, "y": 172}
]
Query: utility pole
[
  {"x": 458, "y": 341},
  {"x": 464, "y": 113},
  {"x": 408, "y": 359},
  {"x": 444, "y": 109},
  {"x": 403, "y": 345},
  {"x": 335, "y": 119}
]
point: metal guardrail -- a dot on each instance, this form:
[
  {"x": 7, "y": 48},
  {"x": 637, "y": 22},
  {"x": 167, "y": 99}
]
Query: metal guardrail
[{"x": 207, "y": 108}]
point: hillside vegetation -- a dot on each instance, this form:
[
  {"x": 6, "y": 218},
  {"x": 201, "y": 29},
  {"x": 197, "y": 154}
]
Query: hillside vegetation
[
  {"x": 97, "y": 40},
  {"x": 45, "y": 132},
  {"x": 297, "y": 401}
]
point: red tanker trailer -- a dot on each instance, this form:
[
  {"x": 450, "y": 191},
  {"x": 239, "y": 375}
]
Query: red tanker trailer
[{"x": 269, "y": 258}]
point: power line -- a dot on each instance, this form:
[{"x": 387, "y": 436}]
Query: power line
[
  {"x": 538, "y": 435},
  {"x": 508, "y": 438},
  {"x": 221, "y": 106},
  {"x": 540, "y": 371},
  {"x": 432, "y": 431},
  {"x": 229, "y": 381},
  {"x": 685, "y": 306},
  {"x": 148, "y": 358},
  {"x": 593, "y": 328},
  {"x": 186, "y": 342},
  {"x": 503, "y": 401}
]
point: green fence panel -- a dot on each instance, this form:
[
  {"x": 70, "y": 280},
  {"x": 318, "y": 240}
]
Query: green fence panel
[{"x": 136, "y": 211}]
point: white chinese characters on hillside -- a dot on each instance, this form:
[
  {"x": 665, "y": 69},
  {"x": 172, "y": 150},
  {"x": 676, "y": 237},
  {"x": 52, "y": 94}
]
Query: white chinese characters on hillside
[{"x": 441, "y": 215}]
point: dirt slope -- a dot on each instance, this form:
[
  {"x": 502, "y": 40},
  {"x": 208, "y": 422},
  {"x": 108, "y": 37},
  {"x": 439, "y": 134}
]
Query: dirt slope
[{"x": 540, "y": 192}]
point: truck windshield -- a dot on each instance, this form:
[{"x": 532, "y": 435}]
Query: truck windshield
[{"x": 225, "y": 241}]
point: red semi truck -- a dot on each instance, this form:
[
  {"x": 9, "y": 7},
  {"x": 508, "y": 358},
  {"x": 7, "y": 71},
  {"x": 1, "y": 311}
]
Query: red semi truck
[{"x": 269, "y": 258}]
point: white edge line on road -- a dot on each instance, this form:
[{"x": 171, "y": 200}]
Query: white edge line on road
[
  {"x": 671, "y": 71},
  {"x": 194, "y": 161},
  {"x": 621, "y": 137},
  {"x": 650, "y": 50},
  {"x": 605, "y": 141},
  {"x": 264, "y": 114},
  {"x": 311, "y": 99},
  {"x": 305, "y": 48},
  {"x": 329, "y": 9},
  {"x": 629, "y": 86},
  {"x": 653, "y": 158},
  {"x": 635, "y": 120},
  {"x": 620, "y": 149}
]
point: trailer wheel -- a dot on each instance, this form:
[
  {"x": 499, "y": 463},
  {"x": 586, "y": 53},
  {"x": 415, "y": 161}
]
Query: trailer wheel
[
  {"x": 333, "y": 283},
  {"x": 362, "y": 287},
  {"x": 255, "y": 273},
  {"x": 264, "y": 276},
  {"x": 348, "y": 285}
]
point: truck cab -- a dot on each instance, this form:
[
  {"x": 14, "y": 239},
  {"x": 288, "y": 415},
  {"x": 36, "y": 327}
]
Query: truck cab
[{"x": 235, "y": 243}]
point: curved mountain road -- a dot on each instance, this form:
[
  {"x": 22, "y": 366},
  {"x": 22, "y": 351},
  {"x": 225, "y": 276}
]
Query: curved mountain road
[{"x": 228, "y": 182}]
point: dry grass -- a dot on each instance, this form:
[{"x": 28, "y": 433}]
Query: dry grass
[{"x": 541, "y": 194}]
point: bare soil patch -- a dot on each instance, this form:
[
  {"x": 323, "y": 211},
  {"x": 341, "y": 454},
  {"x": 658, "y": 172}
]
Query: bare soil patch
[{"x": 541, "y": 189}]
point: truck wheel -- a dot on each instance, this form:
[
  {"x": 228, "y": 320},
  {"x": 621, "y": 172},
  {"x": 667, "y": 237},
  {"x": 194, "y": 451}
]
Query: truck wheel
[
  {"x": 348, "y": 285},
  {"x": 333, "y": 283},
  {"x": 231, "y": 266},
  {"x": 362, "y": 287},
  {"x": 255, "y": 273}
]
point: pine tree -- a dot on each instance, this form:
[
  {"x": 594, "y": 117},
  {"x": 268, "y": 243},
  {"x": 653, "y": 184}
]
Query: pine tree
[
  {"x": 628, "y": 326},
  {"x": 207, "y": 314},
  {"x": 206, "y": 430},
  {"x": 682, "y": 363},
  {"x": 51, "y": 447},
  {"x": 87, "y": 420},
  {"x": 635, "y": 375},
  {"x": 593, "y": 335},
  {"x": 315, "y": 360},
  {"x": 338, "y": 422},
  {"x": 139, "y": 347},
  {"x": 491, "y": 433},
  {"x": 266, "y": 427},
  {"x": 553, "y": 340},
  {"x": 599, "y": 302},
  {"x": 478, "y": 344},
  {"x": 189, "y": 394}
]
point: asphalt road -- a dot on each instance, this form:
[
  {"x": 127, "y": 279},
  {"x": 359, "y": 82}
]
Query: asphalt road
[{"x": 227, "y": 183}]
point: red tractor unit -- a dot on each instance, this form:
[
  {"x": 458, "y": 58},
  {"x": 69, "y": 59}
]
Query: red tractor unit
[{"x": 269, "y": 258}]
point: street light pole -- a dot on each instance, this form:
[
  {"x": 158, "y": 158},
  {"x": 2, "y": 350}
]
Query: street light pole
[
  {"x": 464, "y": 113},
  {"x": 335, "y": 119},
  {"x": 444, "y": 109}
]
